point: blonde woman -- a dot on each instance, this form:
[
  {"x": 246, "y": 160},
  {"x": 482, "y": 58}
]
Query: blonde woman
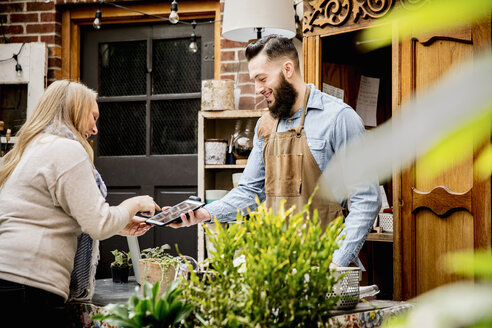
[{"x": 52, "y": 205}]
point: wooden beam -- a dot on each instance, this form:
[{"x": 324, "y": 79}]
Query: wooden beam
[
  {"x": 66, "y": 40},
  {"x": 72, "y": 19}
]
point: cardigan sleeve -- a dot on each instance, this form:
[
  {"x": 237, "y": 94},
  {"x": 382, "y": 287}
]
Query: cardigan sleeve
[{"x": 78, "y": 195}]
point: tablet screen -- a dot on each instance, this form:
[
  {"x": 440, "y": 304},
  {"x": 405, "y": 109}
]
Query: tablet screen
[{"x": 174, "y": 213}]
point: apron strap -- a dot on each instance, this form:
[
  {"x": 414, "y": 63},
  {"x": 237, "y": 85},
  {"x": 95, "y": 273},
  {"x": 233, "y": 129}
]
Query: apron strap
[
  {"x": 304, "y": 110},
  {"x": 301, "y": 126}
]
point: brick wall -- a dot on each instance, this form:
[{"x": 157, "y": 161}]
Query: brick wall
[
  {"x": 39, "y": 21},
  {"x": 30, "y": 21},
  {"x": 234, "y": 67}
]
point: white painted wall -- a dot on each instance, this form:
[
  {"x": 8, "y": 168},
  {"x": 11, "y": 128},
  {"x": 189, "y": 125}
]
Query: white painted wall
[{"x": 34, "y": 61}]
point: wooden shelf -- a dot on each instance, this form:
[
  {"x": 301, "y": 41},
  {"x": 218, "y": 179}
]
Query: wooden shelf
[
  {"x": 383, "y": 237},
  {"x": 225, "y": 166},
  {"x": 231, "y": 114}
]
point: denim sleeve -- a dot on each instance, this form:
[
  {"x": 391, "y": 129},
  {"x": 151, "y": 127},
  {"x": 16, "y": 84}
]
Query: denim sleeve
[
  {"x": 242, "y": 197},
  {"x": 365, "y": 202}
]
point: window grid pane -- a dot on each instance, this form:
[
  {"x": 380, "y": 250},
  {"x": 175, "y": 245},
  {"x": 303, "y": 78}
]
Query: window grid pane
[
  {"x": 175, "y": 69},
  {"x": 123, "y": 68},
  {"x": 121, "y": 129},
  {"x": 174, "y": 126}
]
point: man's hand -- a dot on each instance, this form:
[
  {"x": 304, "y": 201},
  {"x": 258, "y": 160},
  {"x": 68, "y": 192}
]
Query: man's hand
[
  {"x": 200, "y": 215},
  {"x": 333, "y": 265},
  {"x": 136, "y": 227}
]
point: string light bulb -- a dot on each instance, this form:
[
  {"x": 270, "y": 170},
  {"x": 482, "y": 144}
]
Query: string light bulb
[
  {"x": 296, "y": 16},
  {"x": 173, "y": 16},
  {"x": 18, "y": 67},
  {"x": 97, "y": 20},
  {"x": 18, "y": 70},
  {"x": 193, "y": 47}
]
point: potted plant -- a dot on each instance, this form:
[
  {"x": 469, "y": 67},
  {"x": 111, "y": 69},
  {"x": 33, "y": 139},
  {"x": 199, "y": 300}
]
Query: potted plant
[
  {"x": 156, "y": 265},
  {"x": 121, "y": 266},
  {"x": 150, "y": 311}
]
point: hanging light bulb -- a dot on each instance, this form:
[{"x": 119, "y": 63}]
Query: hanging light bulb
[
  {"x": 173, "y": 16},
  {"x": 296, "y": 16},
  {"x": 18, "y": 70},
  {"x": 193, "y": 47},
  {"x": 18, "y": 67},
  {"x": 97, "y": 20}
]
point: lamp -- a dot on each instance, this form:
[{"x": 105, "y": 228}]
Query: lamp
[{"x": 245, "y": 20}]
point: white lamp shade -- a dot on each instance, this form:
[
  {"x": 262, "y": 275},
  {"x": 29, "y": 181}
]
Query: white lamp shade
[{"x": 242, "y": 17}]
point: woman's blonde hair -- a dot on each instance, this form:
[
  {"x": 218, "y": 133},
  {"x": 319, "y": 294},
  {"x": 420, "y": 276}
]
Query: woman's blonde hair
[{"x": 63, "y": 102}]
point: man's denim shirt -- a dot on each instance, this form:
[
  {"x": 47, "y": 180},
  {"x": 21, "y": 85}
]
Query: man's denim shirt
[{"x": 329, "y": 123}]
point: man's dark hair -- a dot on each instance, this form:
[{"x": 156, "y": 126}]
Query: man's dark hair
[{"x": 274, "y": 46}]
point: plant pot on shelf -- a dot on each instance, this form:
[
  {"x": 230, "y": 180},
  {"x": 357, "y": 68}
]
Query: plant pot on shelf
[
  {"x": 153, "y": 270},
  {"x": 121, "y": 266},
  {"x": 120, "y": 273}
]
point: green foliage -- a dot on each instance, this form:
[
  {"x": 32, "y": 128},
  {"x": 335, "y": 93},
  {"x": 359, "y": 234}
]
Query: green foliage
[
  {"x": 150, "y": 311},
  {"x": 444, "y": 155},
  {"x": 271, "y": 270},
  {"x": 426, "y": 17},
  {"x": 476, "y": 265},
  {"x": 121, "y": 259},
  {"x": 159, "y": 254}
]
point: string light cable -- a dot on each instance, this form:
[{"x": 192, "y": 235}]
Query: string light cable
[
  {"x": 18, "y": 67},
  {"x": 173, "y": 18}
]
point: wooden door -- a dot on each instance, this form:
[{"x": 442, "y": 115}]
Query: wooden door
[
  {"x": 451, "y": 211},
  {"x": 148, "y": 85}
]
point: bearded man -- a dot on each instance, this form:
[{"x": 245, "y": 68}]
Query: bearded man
[{"x": 293, "y": 143}]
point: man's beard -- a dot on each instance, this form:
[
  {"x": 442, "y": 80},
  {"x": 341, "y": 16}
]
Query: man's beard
[{"x": 285, "y": 96}]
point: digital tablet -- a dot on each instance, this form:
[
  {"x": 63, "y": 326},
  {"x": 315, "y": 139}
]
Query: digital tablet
[{"x": 173, "y": 214}]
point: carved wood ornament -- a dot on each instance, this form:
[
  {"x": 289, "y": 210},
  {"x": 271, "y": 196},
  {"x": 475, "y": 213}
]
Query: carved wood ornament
[{"x": 321, "y": 13}]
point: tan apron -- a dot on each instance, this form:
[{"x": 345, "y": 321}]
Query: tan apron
[{"x": 291, "y": 172}]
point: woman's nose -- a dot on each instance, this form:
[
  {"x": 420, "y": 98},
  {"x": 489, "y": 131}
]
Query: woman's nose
[{"x": 94, "y": 130}]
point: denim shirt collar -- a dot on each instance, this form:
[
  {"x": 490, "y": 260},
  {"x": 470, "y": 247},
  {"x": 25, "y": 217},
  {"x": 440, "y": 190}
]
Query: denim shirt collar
[{"x": 314, "y": 101}]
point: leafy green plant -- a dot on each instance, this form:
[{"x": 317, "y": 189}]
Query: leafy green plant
[
  {"x": 121, "y": 259},
  {"x": 159, "y": 252},
  {"x": 271, "y": 270},
  {"x": 151, "y": 311}
]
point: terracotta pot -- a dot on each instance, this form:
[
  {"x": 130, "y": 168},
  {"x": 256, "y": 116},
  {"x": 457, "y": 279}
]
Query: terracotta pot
[{"x": 153, "y": 271}]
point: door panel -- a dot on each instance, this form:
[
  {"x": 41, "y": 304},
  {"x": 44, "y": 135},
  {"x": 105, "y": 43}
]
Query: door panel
[
  {"x": 148, "y": 87},
  {"x": 426, "y": 236}
]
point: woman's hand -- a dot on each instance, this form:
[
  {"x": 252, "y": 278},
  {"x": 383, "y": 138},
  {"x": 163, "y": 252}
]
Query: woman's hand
[
  {"x": 143, "y": 204},
  {"x": 136, "y": 227}
]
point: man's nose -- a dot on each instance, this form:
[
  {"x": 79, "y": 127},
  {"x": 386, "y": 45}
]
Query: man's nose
[{"x": 259, "y": 88}]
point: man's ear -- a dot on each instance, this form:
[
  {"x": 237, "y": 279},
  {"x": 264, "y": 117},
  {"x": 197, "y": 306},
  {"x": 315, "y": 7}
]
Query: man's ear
[{"x": 288, "y": 69}]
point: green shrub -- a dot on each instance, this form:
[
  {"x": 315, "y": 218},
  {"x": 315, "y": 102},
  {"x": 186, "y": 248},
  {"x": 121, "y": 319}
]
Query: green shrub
[{"x": 271, "y": 270}]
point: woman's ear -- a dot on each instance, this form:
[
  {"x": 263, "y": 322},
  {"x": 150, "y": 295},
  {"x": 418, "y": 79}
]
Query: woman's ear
[{"x": 288, "y": 69}]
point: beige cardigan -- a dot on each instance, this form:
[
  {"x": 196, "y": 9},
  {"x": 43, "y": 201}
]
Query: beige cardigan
[{"x": 49, "y": 199}]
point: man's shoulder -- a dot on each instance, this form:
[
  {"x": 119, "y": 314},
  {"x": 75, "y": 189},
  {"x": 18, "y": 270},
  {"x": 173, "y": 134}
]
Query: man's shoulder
[{"x": 323, "y": 101}]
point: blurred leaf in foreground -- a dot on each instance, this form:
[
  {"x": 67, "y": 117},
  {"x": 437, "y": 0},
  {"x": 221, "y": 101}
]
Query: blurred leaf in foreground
[
  {"x": 426, "y": 17},
  {"x": 476, "y": 264},
  {"x": 451, "y": 112}
]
